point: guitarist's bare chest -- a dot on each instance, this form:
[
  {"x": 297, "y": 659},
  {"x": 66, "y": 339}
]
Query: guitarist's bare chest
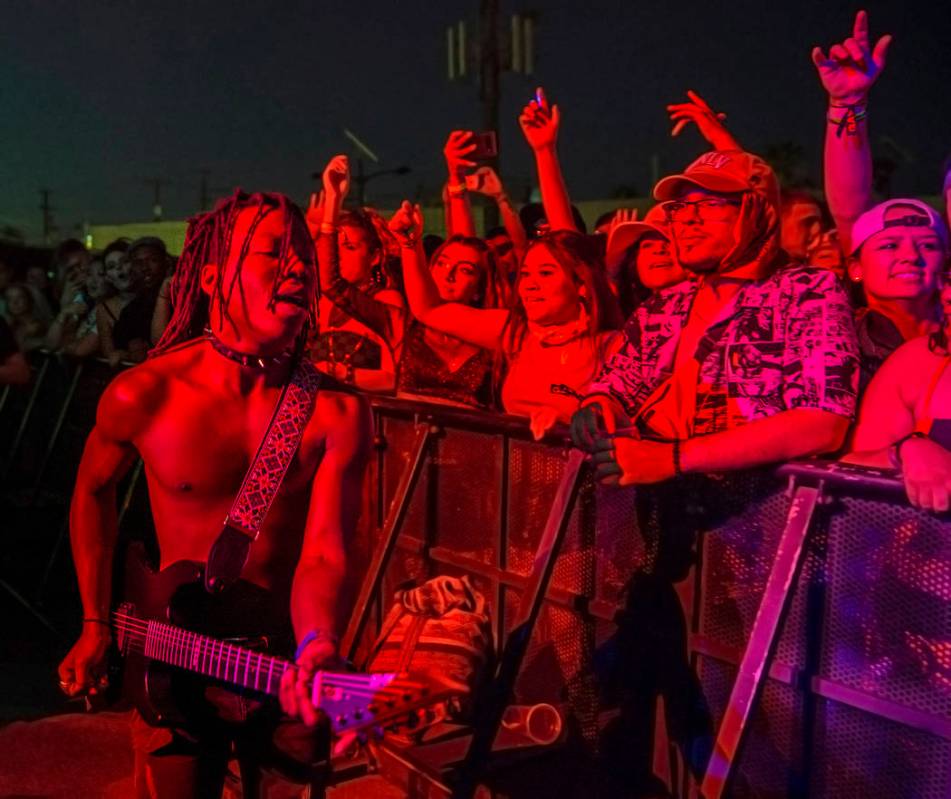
[{"x": 201, "y": 444}]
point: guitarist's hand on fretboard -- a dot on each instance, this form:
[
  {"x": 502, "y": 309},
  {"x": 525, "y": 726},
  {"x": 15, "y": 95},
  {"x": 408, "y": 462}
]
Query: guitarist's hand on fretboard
[{"x": 296, "y": 689}]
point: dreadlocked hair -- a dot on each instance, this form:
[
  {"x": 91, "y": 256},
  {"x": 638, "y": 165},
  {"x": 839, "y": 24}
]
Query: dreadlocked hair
[{"x": 209, "y": 241}]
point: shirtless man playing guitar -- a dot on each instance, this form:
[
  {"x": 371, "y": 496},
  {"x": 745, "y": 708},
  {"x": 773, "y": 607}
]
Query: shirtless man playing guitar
[{"x": 196, "y": 413}]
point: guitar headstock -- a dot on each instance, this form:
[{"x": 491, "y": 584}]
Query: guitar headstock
[{"x": 353, "y": 701}]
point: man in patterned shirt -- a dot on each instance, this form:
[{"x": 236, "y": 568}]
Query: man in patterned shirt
[{"x": 753, "y": 361}]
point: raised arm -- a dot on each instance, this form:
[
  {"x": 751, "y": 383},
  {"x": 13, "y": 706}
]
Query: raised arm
[
  {"x": 540, "y": 123},
  {"x": 708, "y": 122},
  {"x": 93, "y": 526},
  {"x": 486, "y": 181},
  {"x": 459, "y": 146},
  {"x": 331, "y": 522},
  {"x": 480, "y": 326},
  {"x": 847, "y": 74},
  {"x": 382, "y": 313}
]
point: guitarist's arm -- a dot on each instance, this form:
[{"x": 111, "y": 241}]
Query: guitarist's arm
[
  {"x": 93, "y": 526},
  {"x": 331, "y": 520}
]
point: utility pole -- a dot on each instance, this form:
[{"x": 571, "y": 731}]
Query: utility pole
[
  {"x": 47, "y": 210},
  {"x": 489, "y": 85},
  {"x": 203, "y": 191},
  {"x": 156, "y": 184},
  {"x": 490, "y": 59}
]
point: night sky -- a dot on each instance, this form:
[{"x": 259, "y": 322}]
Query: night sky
[{"x": 97, "y": 95}]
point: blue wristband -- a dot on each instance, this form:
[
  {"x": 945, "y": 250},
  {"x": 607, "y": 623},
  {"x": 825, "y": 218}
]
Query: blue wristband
[{"x": 313, "y": 635}]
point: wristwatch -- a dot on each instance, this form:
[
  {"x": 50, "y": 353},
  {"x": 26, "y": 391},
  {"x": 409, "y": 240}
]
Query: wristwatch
[{"x": 894, "y": 451}]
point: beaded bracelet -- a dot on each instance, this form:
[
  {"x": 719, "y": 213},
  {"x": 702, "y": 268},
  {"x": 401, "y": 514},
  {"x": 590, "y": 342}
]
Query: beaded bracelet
[
  {"x": 456, "y": 189},
  {"x": 848, "y": 122},
  {"x": 326, "y": 227}
]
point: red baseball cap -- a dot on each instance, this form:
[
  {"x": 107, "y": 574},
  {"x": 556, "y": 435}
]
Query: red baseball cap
[{"x": 724, "y": 171}]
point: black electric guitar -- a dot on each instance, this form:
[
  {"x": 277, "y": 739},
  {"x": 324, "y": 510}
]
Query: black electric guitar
[{"x": 169, "y": 661}]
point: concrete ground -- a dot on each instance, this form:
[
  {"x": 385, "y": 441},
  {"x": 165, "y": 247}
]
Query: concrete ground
[{"x": 80, "y": 755}]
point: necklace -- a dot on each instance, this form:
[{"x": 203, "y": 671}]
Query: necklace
[{"x": 246, "y": 359}]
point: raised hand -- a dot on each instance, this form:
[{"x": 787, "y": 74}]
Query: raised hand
[
  {"x": 485, "y": 181},
  {"x": 621, "y": 217},
  {"x": 708, "y": 122},
  {"x": 336, "y": 180},
  {"x": 852, "y": 67},
  {"x": 459, "y": 145},
  {"x": 540, "y": 122},
  {"x": 407, "y": 224}
]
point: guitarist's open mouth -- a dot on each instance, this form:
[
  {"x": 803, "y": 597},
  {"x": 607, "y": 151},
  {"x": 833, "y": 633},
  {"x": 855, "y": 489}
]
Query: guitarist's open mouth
[{"x": 293, "y": 299}]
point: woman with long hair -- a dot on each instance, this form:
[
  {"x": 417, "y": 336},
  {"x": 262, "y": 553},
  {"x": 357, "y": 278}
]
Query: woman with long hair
[{"x": 554, "y": 339}]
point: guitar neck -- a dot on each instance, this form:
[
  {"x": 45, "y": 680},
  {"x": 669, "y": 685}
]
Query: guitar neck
[
  {"x": 350, "y": 701},
  {"x": 204, "y": 655}
]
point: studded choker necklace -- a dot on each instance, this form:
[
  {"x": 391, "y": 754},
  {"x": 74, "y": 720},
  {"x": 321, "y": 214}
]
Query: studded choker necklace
[{"x": 243, "y": 358}]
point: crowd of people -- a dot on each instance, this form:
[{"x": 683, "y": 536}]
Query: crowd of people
[
  {"x": 757, "y": 316},
  {"x": 112, "y": 303},
  {"x": 736, "y": 324}
]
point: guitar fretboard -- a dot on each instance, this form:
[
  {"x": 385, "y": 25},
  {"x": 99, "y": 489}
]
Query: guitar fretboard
[{"x": 210, "y": 657}]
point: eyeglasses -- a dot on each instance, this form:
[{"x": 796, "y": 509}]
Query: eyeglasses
[{"x": 714, "y": 209}]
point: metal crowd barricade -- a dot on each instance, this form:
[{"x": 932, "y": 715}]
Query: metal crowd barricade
[{"x": 796, "y": 636}]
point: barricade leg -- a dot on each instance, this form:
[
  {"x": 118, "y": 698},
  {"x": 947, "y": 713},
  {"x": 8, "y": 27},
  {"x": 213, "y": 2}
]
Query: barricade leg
[{"x": 764, "y": 636}]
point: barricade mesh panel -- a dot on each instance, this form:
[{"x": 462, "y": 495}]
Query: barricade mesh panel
[
  {"x": 555, "y": 666},
  {"x": 399, "y": 435},
  {"x": 889, "y": 604},
  {"x": 534, "y": 474},
  {"x": 563, "y": 641},
  {"x": 858, "y": 754},
  {"x": 771, "y": 761},
  {"x": 620, "y": 543},
  {"x": 468, "y": 481},
  {"x": 749, "y": 515}
]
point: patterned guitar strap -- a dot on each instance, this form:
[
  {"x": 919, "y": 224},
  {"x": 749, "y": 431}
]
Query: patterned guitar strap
[{"x": 230, "y": 551}]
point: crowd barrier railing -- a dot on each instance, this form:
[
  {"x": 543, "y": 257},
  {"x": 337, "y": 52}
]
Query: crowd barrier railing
[{"x": 791, "y": 629}]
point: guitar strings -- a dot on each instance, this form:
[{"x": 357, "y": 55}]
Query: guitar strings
[{"x": 167, "y": 634}]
